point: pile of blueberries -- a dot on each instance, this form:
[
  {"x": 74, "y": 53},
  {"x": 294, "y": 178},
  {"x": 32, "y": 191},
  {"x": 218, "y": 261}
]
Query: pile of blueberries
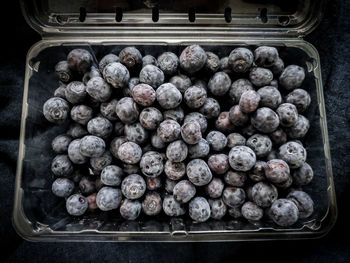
[{"x": 191, "y": 134}]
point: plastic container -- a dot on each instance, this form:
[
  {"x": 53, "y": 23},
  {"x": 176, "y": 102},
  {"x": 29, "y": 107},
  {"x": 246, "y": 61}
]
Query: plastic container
[{"x": 153, "y": 28}]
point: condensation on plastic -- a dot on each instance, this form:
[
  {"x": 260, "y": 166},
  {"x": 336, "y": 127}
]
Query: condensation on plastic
[{"x": 40, "y": 216}]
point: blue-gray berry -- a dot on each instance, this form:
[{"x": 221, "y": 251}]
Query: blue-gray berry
[
  {"x": 304, "y": 203},
  {"x": 108, "y": 198},
  {"x": 235, "y": 139},
  {"x": 130, "y": 57},
  {"x": 152, "y": 204},
  {"x": 168, "y": 62},
  {"x": 149, "y": 60},
  {"x": 130, "y": 209},
  {"x": 60, "y": 143},
  {"x": 92, "y": 146},
  {"x": 171, "y": 207},
  {"x": 240, "y": 60},
  {"x": 265, "y": 120},
  {"x": 260, "y": 76},
  {"x": 300, "y": 98},
  {"x": 218, "y": 163},
  {"x": 223, "y": 122},
  {"x": 198, "y": 117},
  {"x": 260, "y": 144},
  {"x": 199, "y": 209},
  {"x": 62, "y": 187},
  {"x": 151, "y": 164},
  {"x": 252, "y": 211},
  {"x": 152, "y": 76},
  {"x": 111, "y": 175},
  {"x": 150, "y": 118},
  {"x": 235, "y": 178},
  {"x": 217, "y": 140},
  {"x": 100, "y": 127},
  {"x": 129, "y": 152},
  {"x": 233, "y": 196},
  {"x": 99, "y": 163},
  {"x": 133, "y": 186},
  {"x": 98, "y": 89},
  {"x": 264, "y": 194},
  {"x": 210, "y": 109},
  {"x": 108, "y": 110},
  {"x": 136, "y": 133},
  {"x": 292, "y": 77},
  {"x": 284, "y": 212},
  {"x": 79, "y": 60},
  {"x": 214, "y": 188},
  {"x": 198, "y": 172},
  {"x": 127, "y": 110},
  {"x": 287, "y": 114},
  {"x": 109, "y": 58},
  {"x": 81, "y": 114},
  {"x": 292, "y": 153},
  {"x": 265, "y": 56},
  {"x": 269, "y": 97},
  {"x": 63, "y": 71},
  {"x": 61, "y": 165},
  {"x": 303, "y": 175},
  {"x": 76, "y": 205},
  {"x": 218, "y": 208},
  {"x": 192, "y": 59},
  {"x": 181, "y": 82},
  {"x": 184, "y": 191},
  {"x": 241, "y": 158},
  {"x": 75, "y": 92},
  {"x": 195, "y": 97},
  {"x": 212, "y": 63},
  {"x": 116, "y": 74},
  {"x": 169, "y": 130},
  {"x": 56, "y": 110},
  {"x": 174, "y": 170},
  {"x": 177, "y": 151},
  {"x": 238, "y": 87},
  {"x": 299, "y": 129},
  {"x": 199, "y": 150},
  {"x": 219, "y": 84},
  {"x": 168, "y": 96}
]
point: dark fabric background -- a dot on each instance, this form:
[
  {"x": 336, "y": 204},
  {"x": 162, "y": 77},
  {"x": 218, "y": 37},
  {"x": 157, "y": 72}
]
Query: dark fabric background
[{"x": 331, "y": 38}]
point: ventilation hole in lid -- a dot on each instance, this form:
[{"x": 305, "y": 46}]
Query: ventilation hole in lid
[
  {"x": 82, "y": 14},
  {"x": 191, "y": 14},
  {"x": 284, "y": 20},
  {"x": 155, "y": 14},
  {"x": 228, "y": 16},
  {"x": 263, "y": 15},
  {"x": 118, "y": 14}
]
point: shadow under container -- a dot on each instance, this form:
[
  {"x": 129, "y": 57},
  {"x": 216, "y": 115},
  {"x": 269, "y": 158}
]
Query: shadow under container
[{"x": 155, "y": 28}]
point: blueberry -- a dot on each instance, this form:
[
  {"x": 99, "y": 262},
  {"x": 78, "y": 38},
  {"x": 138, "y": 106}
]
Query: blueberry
[
  {"x": 135, "y": 133},
  {"x": 265, "y": 120},
  {"x": 292, "y": 77},
  {"x": 277, "y": 172},
  {"x": 303, "y": 175},
  {"x": 130, "y": 57},
  {"x": 81, "y": 114},
  {"x": 56, "y": 110},
  {"x": 150, "y": 118},
  {"x": 238, "y": 117},
  {"x": 300, "y": 98},
  {"x": 184, "y": 191},
  {"x": 62, "y": 187},
  {"x": 223, "y": 122},
  {"x": 212, "y": 64},
  {"x": 149, "y": 60},
  {"x": 92, "y": 73},
  {"x": 200, "y": 83},
  {"x": 303, "y": 201},
  {"x": 299, "y": 129},
  {"x": 191, "y": 132},
  {"x": 92, "y": 202},
  {"x": 87, "y": 186},
  {"x": 133, "y": 186},
  {"x": 127, "y": 110},
  {"x": 127, "y": 90},
  {"x": 278, "y": 137},
  {"x": 153, "y": 183},
  {"x": 258, "y": 172},
  {"x": 169, "y": 130},
  {"x": 99, "y": 163},
  {"x": 169, "y": 185},
  {"x": 241, "y": 158},
  {"x": 76, "y": 205},
  {"x": 63, "y": 71},
  {"x": 214, "y": 188},
  {"x": 235, "y": 178},
  {"x": 111, "y": 175},
  {"x": 171, "y": 207},
  {"x": 157, "y": 142},
  {"x": 79, "y": 60},
  {"x": 277, "y": 67},
  {"x": 210, "y": 108},
  {"x": 199, "y": 209},
  {"x": 109, "y": 58},
  {"x": 116, "y": 74},
  {"x": 198, "y": 172},
  {"x": 284, "y": 212},
  {"x": 75, "y": 92},
  {"x": 224, "y": 66},
  {"x": 240, "y": 60},
  {"x": 181, "y": 82},
  {"x": 193, "y": 59},
  {"x": 199, "y": 150},
  {"x": 74, "y": 152},
  {"x": 292, "y": 153},
  {"x": 61, "y": 165},
  {"x": 151, "y": 164},
  {"x": 233, "y": 196},
  {"x": 152, "y": 76},
  {"x": 235, "y": 139},
  {"x": 115, "y": 144},
  {"x": 152, "y": 204},
  {"x": 130, "y": 153},
  {"x": 177, "y": 151},
  {"x": 168, "y": 96},
  {"x": 195, "y": 97},
  {"x": 238, "y": 87},
  {"x": 76, "y": 130},
  {"x": 235, "y": 212},
  {"x": 198, "y": 117},
  {"x": 60, "y": 92},
  {"x": 168, "y": 63},
  {"x": 260, "y": 144},
  {"x": 219, "y": 84},
  {"x": 264, "y": 194},
  {"x": 119, "y": 128},
  {"x": 176, "y": 114},
  {"x": 108, "y": 198},
  {"x": 60, "y": 143},
  {"x": 130, "y": 209},
  {"x": 269, "y": 97},
  {"x": 265, "y": 56},
  {"x": 251, "y": 211},
  {"x": 92, "y": 146},
  {"x": 143, "y": 94},
  {"x": 217, "y": 140},
  {"x": 218, "y": 163},
  {"x": 218, "y": 208},
  {"x": 98, "y": 89},
  {"x": 100, "y": 127},
  {"x": 260, "y": 76},
  {"x": 249, "y": 101},
  {"x": 287, "y": 114},
  {"x": 107, "y": 109}
]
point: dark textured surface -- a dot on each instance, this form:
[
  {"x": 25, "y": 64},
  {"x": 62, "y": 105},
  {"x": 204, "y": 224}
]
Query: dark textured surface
[{"x": 332, "y": 40}]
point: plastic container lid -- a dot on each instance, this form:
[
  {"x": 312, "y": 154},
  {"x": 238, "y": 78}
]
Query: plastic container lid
[{"x": 175, "y": 17}]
